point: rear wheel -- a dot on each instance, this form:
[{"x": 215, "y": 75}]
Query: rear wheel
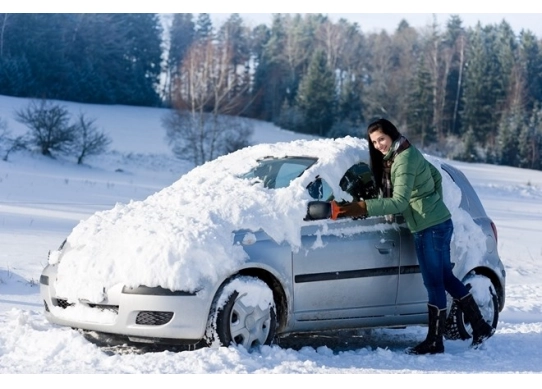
[
  {"x": 243, "y": 314},
  {"x": 483, "y": 291}
]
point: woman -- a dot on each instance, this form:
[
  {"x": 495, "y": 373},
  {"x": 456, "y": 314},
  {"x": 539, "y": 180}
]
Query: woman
[{"x": 412, "y": 186}]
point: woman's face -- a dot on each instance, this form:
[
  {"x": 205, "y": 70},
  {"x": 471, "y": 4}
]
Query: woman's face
[{"x": 381, "y": 141}]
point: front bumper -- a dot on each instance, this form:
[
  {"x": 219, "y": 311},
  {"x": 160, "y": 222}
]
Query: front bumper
[{"x": 142, "y": 315}]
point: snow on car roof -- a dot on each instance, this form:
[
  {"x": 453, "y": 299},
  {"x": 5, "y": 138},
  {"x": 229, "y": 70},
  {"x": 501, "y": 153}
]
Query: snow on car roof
[{"x": 181, "y": 237}]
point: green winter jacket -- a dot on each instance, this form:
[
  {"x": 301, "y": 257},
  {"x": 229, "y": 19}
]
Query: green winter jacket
[{"x": 417, "y": 192}]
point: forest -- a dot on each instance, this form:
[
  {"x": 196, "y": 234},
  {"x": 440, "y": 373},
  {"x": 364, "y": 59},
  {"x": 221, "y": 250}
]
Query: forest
[{"x": 472, "y": 94}]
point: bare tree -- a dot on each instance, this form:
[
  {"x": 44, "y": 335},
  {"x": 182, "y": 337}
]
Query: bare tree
[
  {"x": 8, "y": 144},
  {"x": 87, "y": 139},
  {"x": 334, "y": 39},
  {"x": 205, "y": 93},
  {"x": 380, "y": 69},
  {"x": 295, "y": 50},
  {"x": 200, "y": 138},
  {"x": 49, "y": 126}
]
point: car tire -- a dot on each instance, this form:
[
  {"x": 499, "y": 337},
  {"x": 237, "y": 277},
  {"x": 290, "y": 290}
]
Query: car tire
[
  {"x": 243, "y": 314},
  {"x": 483, "y": 291}
]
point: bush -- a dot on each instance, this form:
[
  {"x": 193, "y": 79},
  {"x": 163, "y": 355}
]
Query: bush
[
  {"x": 201, "y": 137},
  {"x": 50, "y": 131},
  {"x": 8, "y": 144},
  {"x": 49, "y": 126}
]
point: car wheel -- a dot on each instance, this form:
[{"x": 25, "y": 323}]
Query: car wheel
[
  {"x": 483, "y": 291},
  {"x": 243, "y": 314}
]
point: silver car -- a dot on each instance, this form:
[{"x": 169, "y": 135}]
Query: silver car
[{"x": 342, "y": 274}]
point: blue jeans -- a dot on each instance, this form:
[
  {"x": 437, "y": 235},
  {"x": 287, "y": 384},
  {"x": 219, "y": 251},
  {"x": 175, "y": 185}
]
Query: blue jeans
[{"x": 433, "y": 251}]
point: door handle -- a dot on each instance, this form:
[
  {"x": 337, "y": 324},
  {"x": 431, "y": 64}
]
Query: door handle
[{"x": 385, "y": 247}]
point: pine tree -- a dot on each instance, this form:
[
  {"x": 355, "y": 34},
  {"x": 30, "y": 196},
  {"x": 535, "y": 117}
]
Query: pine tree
[
  {"x": 259, "y": 37},
  {"x": 507, "y": 140},
  {"x": 316, "y": 96},
  {"x": 470, "y": 152},
  {"x": 530, "y": 141},
  {"x": 235, "y": 37},
  {"x": 182, "y": 34},
  {"x": 204, "y": 28},
  {"x": 455, "y": 42},
  {"x": 142, "y": 59},
  {"x": 94, "y": 58},
  {"x": 484, "y": 88},
  {"x": 531, "y": 62},
  {"x": 38, "y": 42},
  {"x": 420, "y": 116},
  {"x": 349, "y": 114},
  {"x": 270, "y": 78}
]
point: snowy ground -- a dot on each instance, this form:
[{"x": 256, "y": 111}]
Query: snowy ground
[{"x": 41, "y": 200}]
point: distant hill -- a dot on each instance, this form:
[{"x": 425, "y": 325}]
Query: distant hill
[{"x": 121, "y": 123}]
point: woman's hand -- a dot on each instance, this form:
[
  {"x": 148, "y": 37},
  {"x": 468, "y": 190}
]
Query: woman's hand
[{"x": 357, "y": 209}]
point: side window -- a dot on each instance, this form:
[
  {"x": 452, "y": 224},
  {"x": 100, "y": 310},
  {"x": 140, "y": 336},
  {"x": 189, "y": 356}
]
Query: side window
[
  {"x": 358, "y": 182},
  {"x": 320, "y": 190},
  {"x": 287, "y": 172},
  {"x": 278, "y": 173}
]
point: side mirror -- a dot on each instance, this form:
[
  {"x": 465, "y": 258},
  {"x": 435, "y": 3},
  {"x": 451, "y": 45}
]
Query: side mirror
[{"x": 318, "y": 210}]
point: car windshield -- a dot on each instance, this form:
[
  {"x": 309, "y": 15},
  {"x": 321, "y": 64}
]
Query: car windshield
[{"x": 279, "y": 172}]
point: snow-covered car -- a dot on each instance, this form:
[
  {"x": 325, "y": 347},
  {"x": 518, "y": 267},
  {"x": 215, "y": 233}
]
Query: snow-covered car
[{"x": 236, "y": 252}]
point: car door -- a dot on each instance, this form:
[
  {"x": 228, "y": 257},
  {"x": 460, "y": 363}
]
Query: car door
[{"x": 346, "y": 269}]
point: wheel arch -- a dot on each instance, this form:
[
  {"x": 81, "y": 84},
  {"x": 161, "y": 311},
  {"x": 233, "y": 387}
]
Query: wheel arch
[
  {"x": 489, "y": 273},
  {"x": 279, "y": 294}
]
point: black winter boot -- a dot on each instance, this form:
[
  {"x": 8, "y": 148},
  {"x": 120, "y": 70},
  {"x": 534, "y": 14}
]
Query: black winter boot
[
  {"x": 481, "y": 330},
  {"x": 433, "y": 343}
]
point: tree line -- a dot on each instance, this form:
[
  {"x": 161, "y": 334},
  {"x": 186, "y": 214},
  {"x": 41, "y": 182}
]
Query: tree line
[{"x": 473, "y": 94}]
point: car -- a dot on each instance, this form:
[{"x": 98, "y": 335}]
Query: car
[{"x": 240, "y": 251}]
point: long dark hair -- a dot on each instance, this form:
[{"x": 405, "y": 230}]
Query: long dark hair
[{"x": 377, "y": 157}]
